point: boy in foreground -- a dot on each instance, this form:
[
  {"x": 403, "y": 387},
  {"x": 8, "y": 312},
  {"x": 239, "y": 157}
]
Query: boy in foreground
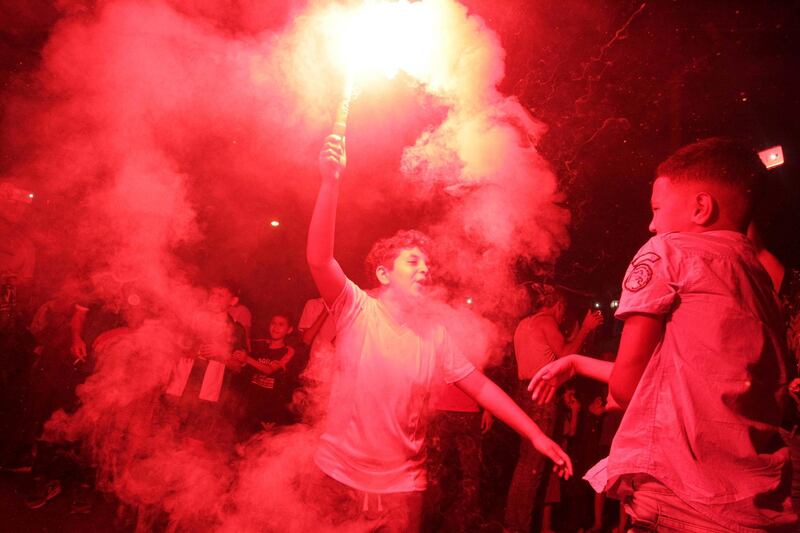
[
  {"x": 389, "y": 353},
  {"x": 701, "y": 369}
]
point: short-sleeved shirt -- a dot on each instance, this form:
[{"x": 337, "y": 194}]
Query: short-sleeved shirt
[
  {"x": 704, "y": 418},
  {"x": 379, "y": 400},
  {"x": 531, "y": 346}
]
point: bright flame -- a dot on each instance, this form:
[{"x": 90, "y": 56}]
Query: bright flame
[
  {"x": 274, "y": 223},
  {"x": 388, "y": 37}
]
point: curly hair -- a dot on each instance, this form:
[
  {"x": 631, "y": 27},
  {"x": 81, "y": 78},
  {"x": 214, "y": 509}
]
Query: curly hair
[
  {"x": 544, "y": 295},
  {"x": 385, "y": 251}
]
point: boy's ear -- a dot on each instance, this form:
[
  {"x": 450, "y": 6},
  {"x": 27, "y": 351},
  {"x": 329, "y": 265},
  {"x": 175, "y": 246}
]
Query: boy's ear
[
  {"x": 705, "y": 209},
  {"x": 382, "y": 274}
]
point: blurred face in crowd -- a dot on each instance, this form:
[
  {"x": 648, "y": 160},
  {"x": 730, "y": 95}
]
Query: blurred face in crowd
[
  {"x": 279, "y": 327},
  {"x": 220, "y": 299},
  {"x": 409, "y": 273}
]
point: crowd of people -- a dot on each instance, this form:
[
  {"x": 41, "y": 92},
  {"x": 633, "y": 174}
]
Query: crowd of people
[{"x": 688, "y": 420}]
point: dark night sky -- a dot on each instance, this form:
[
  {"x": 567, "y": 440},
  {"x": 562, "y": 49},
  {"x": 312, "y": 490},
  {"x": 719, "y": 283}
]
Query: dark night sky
[
  {"x": 616, "y": 106},
  {"x": 620, "y": 85}
]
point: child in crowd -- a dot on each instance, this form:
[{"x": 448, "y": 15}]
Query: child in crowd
[
  {"x": 266, "y": 377},
  {"x": 389, "y": 351},
  {"x": 198, "y": 396},
  {"x": 701, "y": 366}
]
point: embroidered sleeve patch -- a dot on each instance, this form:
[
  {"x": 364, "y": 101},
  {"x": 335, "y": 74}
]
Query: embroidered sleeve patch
[{"x": 642, "y": 272}]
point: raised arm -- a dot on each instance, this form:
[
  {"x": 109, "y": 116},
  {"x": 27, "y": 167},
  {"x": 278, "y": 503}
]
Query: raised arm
[
  {"x": 327, "y": 274},
  {"x": 591, "y": 321}
]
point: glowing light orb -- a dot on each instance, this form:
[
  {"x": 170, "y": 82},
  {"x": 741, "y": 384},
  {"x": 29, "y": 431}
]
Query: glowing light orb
[
  {"x": 469, "y": 300},
  {"x": 597, "y": 305},
  {"x": 614, "y": 304},
  {"x": 30, "y": 195},
  {"x": 274, "y": 223},
  {"x": 772, "y": 157}
]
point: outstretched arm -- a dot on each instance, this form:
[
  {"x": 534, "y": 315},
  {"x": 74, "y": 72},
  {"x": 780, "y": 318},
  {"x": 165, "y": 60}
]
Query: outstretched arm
[
  {"x": 640, "y": 337},
  {"x": 241, "y": 357},
  {"x": 550, "y": 377},
  {"x": 327, "y": 274},
  {"x": 493, "y": 399}
]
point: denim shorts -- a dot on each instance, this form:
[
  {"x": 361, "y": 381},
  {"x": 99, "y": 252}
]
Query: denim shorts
[{"x": 653, "y": 507}]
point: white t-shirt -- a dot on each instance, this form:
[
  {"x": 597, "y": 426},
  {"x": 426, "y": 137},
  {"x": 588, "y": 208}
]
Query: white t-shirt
[{"x": 379, "y": 402}]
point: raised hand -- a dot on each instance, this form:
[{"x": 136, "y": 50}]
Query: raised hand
[
  {"x": 592, "y": 320},
  {"x": 333, "y": 157},
  {"x": 78, "y": 350}
]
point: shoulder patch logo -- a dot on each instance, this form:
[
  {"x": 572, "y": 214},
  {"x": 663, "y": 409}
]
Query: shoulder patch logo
[{"x": 642, "y": 271}]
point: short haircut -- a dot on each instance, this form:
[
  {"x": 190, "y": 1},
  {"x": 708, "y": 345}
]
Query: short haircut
[
  {"x": 283, "y": 314},
  {"x": 385, "y": 251},
  {"x": 227, "y": 284},
  {"x": 721, "y": 161}
]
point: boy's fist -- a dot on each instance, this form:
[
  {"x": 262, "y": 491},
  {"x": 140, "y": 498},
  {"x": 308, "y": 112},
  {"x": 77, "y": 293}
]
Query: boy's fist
[{"x": 333, "y": 157}]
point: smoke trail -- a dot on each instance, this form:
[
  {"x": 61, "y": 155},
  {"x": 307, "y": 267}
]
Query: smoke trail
[
  {"x": 506, "y": 199},
  {"x": 146, "y": 115}
]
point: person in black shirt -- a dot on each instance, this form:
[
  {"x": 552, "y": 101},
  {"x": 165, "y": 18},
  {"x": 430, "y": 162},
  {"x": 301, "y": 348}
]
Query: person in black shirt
[{"x": 268, "y": 378}]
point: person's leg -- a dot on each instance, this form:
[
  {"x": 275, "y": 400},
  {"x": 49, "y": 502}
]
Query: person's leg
[
  {"x": 529, "y": 471},
  {"x": 466, "y": 512},
  {"x": 547, "y": 518},
  {"x": 437, "y": 451},
  {"x": 599, "y": 503},
  {"x": 792, "y": 440},
  {"x": 623, "y": 518},
  {"x": 333, "y": 503},
  {"x": 400, "y": 512}
]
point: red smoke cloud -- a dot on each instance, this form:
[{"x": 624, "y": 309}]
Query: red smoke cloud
[{"x": 148, "y": 119}]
